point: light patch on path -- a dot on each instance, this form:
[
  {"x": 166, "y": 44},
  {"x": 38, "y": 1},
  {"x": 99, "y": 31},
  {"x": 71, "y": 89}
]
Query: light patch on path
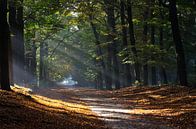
[
  {"x": 107, "y": 108},
  {"x": 113, "y": 114}
]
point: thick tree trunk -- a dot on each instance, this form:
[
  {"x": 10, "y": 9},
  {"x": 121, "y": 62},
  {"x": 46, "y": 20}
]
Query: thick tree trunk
[
  {"x": 112, "y": 47},
  {"x": 153, "y": 69},
  {"x": 145, "y": 41},
  {"x": 109, "y": 79},
  {"x": 4, "y": 46},
  {"x": 127, "y": 69},
  {"x": 101, "y": 63},
  {"x": 11, "y": 64},
  {"x": 12, "y": 23},
  {"x": 20, "y": 43},
  {"x": 181, "y": 66},
  {"x": 132, "y": 39},
  {"x": 112, "y": 27},
  {"x": 17, "y": 29}
]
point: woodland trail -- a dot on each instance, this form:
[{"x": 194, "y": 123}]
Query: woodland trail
[
  {"x": 128, "y": 108},
  {"x": 114, "y": 115},
  {"x": 107, "y": 109}
]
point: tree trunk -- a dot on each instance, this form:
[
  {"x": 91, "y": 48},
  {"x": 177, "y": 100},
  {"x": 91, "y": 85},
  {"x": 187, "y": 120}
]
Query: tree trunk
[
  {"x": 127, "y": 69},
  {"x": 45, "y": 76},
  {"x": 20, "y": 42},
  {"x": 112, "y": 26},
  {"x": 11, "y": 63},
  {"x": 4, "y": 46},
  {"x": 41, "y": 64},
  {"x": 101, "y": 63},
  {"x": 153, "y": 69},
  {"x": 132, "y": 39},
  {"x": 181, "y": 66},
  {"x": 17, "y": 29},
  {"x": 34, "y": 62},
  {"x": 162, "y": 69},
  {"x": 13, "y": 24},
  {"x": 109, "y": 79},
  {"x": 145, "y": 41},
  {"x": 112, "y": 47}
]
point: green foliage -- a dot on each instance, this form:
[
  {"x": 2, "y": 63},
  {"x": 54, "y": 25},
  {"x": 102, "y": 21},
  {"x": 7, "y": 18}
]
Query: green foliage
[
  {"x": 66, "y": 27},
  {"x": 147, "y": 54}
]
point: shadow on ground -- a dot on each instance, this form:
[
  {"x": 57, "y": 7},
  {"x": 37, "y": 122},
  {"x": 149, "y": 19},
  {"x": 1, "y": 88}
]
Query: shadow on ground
[{"x": 135, "y": 107}]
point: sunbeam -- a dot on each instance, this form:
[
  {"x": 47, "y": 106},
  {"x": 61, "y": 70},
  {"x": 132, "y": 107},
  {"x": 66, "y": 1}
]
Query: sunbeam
[{"x": 97, "y": 64}]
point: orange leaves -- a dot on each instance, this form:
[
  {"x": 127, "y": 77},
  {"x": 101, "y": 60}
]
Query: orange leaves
[
  {"x": 59, "y": 107},
  {"x": 23, "y": 110}
]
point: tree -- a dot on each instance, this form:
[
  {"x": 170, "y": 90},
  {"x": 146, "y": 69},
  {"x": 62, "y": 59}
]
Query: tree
[
  {"x": 4, "y": 46},
  {"x": 153, "y": 69},
  {"x": 20, "y": 50},
  {"x": 126, "y": 67},
  {"x": 12, "y": 23},
  {"x": 180, "y": 56},
  {"x": 105, "y": 39},
  {"x": 101, "y": 63},
  {"x": 112, "y": 45},
  {"x": 161, "y": 32},
  {"x": 182, "y": 74},
  {"x": 132, "y": 40},
  {"x": 145, "y": 39},
  {"x": 17, "y": 30}
]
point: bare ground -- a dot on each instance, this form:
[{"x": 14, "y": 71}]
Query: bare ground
[{"x": 163, "y": 107}]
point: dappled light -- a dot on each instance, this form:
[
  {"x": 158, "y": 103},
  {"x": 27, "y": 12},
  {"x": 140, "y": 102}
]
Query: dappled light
[
  {"x": 97, "y": 64},
  {"x": 54, "y": 104},
  {"x": 142, "y": 106}
]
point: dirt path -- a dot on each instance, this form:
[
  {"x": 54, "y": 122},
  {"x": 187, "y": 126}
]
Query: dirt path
[
  {"x": 114, "y": 115},
  {"x": 108, "y": 110},
  {"x": 132, "y": 108}
]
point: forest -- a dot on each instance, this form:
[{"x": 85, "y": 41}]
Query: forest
[{"x": 104, "y": 64}]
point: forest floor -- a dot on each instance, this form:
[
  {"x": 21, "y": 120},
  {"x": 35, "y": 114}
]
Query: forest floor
[
  {"x": 21, "y": 109},
  {"x": 165, "y": 107}
]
